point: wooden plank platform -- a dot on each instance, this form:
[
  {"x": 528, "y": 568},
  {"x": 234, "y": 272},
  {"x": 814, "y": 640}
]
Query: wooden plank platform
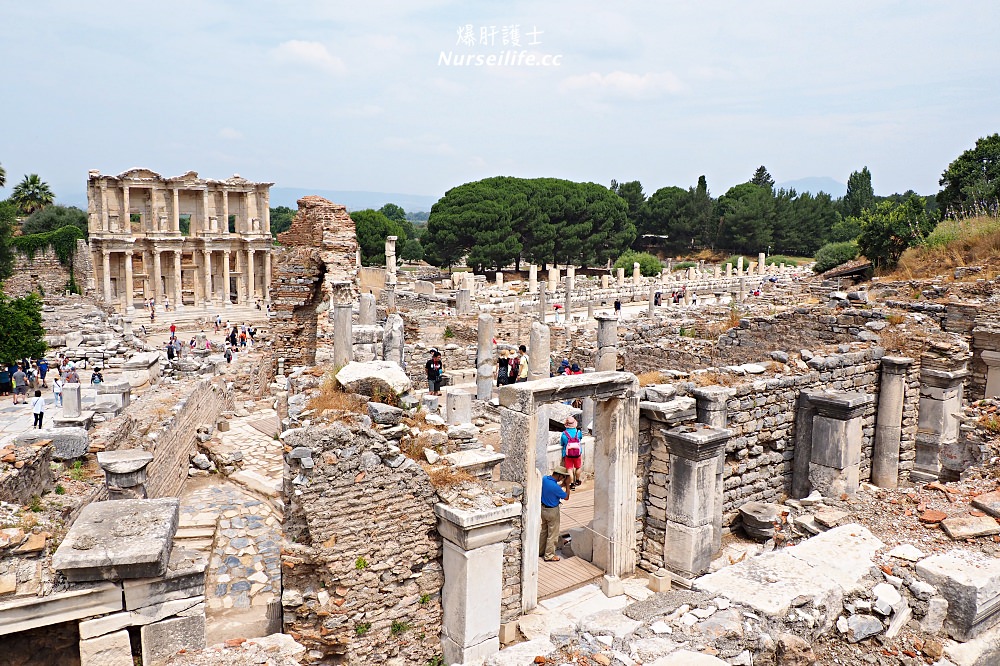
[
  {"x": 565, "y": 575},
  {"x": 268, "y": 425},
  {"x": 579, "y": 510}
]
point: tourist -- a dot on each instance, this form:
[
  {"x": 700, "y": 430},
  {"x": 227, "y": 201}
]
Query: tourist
[
  {"x": 43, "y": 369},
  {"x": 20, "y": 385},
  {"x": 572, "y": 449},
  {"x": 152, "y": 314},
  {"x": 502, "y": 373},
  {"x": 170, "y": 351},
  {"x": 618, "y": 307},
  {"x": 57, "y": 390},
  {"x": 575, "y": 370},
  {"x": 166, "y": 304},
  {"x": 435, "y": 370},
  {"x": 173, "y": 329},
  {"x": 218, "y": 322},
  {"x": 522, "y": 369},
  {"x": 38, "y": 409},
  {"x": 96, "y": 377},
  {"x": 5, "y": 384},
  {"x": 554, "y": 488},
  {"x": 228, "y": 355},
  {"x": 72, "y": 376},
  {"x": 563, "y": 367}
]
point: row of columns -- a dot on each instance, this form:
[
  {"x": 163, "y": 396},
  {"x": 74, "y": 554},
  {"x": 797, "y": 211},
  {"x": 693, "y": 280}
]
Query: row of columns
[{"x": 204, "y": 292}]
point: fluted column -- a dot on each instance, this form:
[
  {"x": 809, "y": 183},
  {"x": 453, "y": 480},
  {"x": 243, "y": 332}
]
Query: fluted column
[
  {"x": 128, "y": 281},
  {"x": 157, "y": 273},
  {"x": 204, "y": 210},
  {"x": 125, "y": 219},
  {"x": 206, "y": 265},
  {"x": 225, "y": 219},
  {"x": 107, "y": 274},
  {"x": 267, "y": 274},
  {"x": 225, "y": 277},
  {"x": 176, "y": 212},
  {"x": 251, "y": 279},
  {"x": 178, "y": 282}
]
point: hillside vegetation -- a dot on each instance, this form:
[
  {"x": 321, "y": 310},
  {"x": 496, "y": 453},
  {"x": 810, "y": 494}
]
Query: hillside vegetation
[{"x": 973, "y": 241}]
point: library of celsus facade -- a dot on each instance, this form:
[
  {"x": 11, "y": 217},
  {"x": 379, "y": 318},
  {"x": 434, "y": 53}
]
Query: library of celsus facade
[{"x": 186, "y": 240}]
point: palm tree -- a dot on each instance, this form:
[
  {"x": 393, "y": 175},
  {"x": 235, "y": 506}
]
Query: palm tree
[{"x": 31, "y": 194}]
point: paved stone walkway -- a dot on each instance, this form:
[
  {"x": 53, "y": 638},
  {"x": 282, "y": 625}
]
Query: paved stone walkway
[
  {"x": 262, "y": 467},
  {"x": 15, "y": 419}
]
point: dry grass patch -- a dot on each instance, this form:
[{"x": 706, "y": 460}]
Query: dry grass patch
[
  {"x": 714, "y": 378},
  {"x": 902, "y": 341},
  {"x": 953, "y": 243},
  {"x": 895, "y": 319},
  {"x": 331, "y": 396},
  {"x": 651, "y": 377},
  {"x": 445, "y": 477}
]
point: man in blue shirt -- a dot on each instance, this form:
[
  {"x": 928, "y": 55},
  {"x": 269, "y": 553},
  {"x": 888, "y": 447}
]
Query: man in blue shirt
[{"x": 554, "y": 489}]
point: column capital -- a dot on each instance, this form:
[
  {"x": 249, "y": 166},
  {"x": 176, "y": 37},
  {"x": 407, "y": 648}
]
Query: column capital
[
  {"x": 841, "y": 406},
  {"x": 128, "y": 253},
  {"x": 696, "y": 443},
  {"x": 475, "y": 529},
  {"x": 896, "y": 364}
]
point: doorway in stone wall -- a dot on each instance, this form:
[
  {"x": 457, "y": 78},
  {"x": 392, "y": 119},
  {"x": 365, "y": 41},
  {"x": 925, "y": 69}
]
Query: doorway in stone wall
[{"x": 525, "y": 442}]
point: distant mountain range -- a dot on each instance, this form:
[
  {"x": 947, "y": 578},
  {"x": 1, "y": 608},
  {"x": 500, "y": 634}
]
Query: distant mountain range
[
  {"x": 815, "y": 185},
  {"x": 288, "y": 196}
]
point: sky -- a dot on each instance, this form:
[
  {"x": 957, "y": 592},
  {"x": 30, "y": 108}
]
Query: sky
[{"x": 368, "y": 95}]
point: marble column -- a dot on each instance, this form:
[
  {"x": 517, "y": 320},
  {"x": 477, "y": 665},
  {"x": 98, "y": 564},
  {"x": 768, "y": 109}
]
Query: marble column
[
  {"x": 125, "y": 219},
  {"x": 204, "y": 210},
  {"x": 620, "y": 276},
  {"x": 178, "y": 281},
  {"x": 267, "y": 279},
  {"x": 463, "y": 302},
  {"x": 105, "y": 220},
  {"x": 225, "y": 223},
  {"x": 694, "y": 499},
  {"x": 553, "y": 280},
  {"x": 889, "y": 421},
  {"x": 499, "y": 277},
  {"x": 761, "y": 263},
  {"x": 367, "y": 312},
  {"x": 72, "y": 405},
  {"x": 106, "y": 267},
  {"x": 251, "y": 278},
  {"x": 458, "y": 407},
  {"x": 343, "y": 334},
  {"x": 650, "y": 304},
  {"x": 206, "y": 266},
  {"x": 157, "y": 274},
  {"x": 175, "y": 217},
  {"x": 394, "y": 339},
  {"x": 532, "y": 279},
  {"x": 538, "y": 351},
  {"x": 636, "y": 274},
  {"x": 226, "y": 300},
  {"x": 128, "y": 282},
  {"x": 616, "y": 454},
  {"x": 835, "y": 459},
  {"x": 390, "y": 259},
  {"x": 607, "y": 343},
  {"x": 484, "y": 358},
  {"x": 729, "y": 270},
  {"x": 739, "y": 265},
  {"x": 472, "y": 560},
  {"x": 241, "y": 282},
  {"x": 147, "y": 277}
]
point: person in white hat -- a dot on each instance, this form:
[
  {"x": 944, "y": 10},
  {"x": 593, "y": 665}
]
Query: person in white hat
[{"x": 555, "y": 488}]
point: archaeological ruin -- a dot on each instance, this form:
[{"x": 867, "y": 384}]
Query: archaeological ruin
[{"x": 777, "y": 468}]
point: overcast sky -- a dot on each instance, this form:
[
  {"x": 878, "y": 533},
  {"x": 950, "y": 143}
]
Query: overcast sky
[{"x": 359, "y": 96}]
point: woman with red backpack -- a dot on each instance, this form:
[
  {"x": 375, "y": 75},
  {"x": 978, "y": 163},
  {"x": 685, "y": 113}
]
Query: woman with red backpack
[{"x": 572, "y": 450}]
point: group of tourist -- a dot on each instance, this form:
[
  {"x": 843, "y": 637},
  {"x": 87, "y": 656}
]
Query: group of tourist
[
  {"x": 511, "y": 367},
  {"x": 26, "y": 376}
]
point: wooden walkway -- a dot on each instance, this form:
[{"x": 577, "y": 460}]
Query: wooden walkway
[{"x": 555, "y": 578}]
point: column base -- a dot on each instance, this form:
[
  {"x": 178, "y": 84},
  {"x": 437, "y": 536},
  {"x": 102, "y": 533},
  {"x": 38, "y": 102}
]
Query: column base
[
  {"x": 458, "y": 654},
  {"x": 612, "y": 586}
]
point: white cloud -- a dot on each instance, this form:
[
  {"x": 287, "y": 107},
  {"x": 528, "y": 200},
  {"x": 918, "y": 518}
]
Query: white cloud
[
  {"x": 230, "y": 133},
  {"x": 314, "y": 54},
  {"x": 624, "y": 84}
]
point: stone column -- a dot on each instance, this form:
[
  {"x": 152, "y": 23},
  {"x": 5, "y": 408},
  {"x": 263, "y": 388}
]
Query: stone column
[
  {"x": 251, "y": 278},
  {"x": 458, "y": 407},
  {"x": 992, "y": 361},
  {"x": 605, "y": 281},
  {"x": 568, "y": 300},
  {"x": 729, "y": 270},
  {"x": 805, "y": 411},
  {"x": 390, "y": 259},
  {"x": 636, "y": 274},
  {"x": 711, "y": 404},
  {"x": 553, "y": 280},
  {"x": 204, "y": 210},
  {"x": 225, "y": 215},
  {"x": 590, "y": 308},
  {"x": 484, "y": 358},
  {"x": 178, "y": 281},
  {"x": 225, "y": 279},
  {"x": 72, "y": 406},
  {"x": 393, "y": 341},
  {"x": 739, "y": 265},
  {"x": 367, "y": 312},
  {"x": 106, "y": 270},
  {"x": 620, "y": 275},
  {"x": 650, "y": 306},
  {"x": 472, "y": 559},
  {"x": 716, "y": 272},
  {"x": 157, "y": 274},
  {"x": 105, "y": 220},
  {"x": 241, "y": 279},
  {"x": 343, "y": 334},
  {"x": 129, "y": 287},
  {"x": 937, "y": 421},
  {"x": 125, "y": 219},
  {"x": 835, "y": 460},
  {"x": 761, "y": 263},
  {"x": 267, "y": 280},
  {"x": 694, "y": 500},
  {"x": 175, "y": 217},
  {"x": 543, "y": 304},
  {"x": 743, "y": 289},
  {"x": 125, "y": 472},
  {"x": 616, "y": 454},
  {"x": 889, "y": 421},
  {"x": 499, "y": 277},
  {"x": 206, "y": 265},
  {"x": 607, "y": 343},
  {"x": 463, "y": 302},
  {"x": 532, "y": 279},
  {"x": 538, "y": 351}
]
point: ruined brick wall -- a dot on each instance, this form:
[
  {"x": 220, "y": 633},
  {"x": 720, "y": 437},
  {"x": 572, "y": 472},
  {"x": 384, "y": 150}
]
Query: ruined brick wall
[
  {"x": 25, "y": 471},
  {"x": 45, "y": 274},
  {"x": 362, "y": 559},
  {"x": 510, "y": 600}
]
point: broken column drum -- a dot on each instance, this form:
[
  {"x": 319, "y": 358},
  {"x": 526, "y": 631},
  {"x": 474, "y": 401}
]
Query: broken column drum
[
  {"x": 888, "y": 424},
  {"x": 125, "y": 472},
  {"x": 538, "y": 351},
  {"x": 607, "y": 343},
  {"x": 343, "y": 336},
  {"x": 463, "y": 302},
  {"x": 835, "y": 459},
  {"x": 458, "y": 407},
  {"x": 532, "y": 279},
  {"x": 366, "y": 310},
  {"x": 484, "y": 357}
]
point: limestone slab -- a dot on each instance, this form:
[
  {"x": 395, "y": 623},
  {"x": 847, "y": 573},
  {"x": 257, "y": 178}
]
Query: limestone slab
[
  {"x": 184, "y": 578},
  {"x": 162, "y": 640},
  {"x": 988, "y": 502},
  {"x": 119, "y": 540},
  {"x": 965, "y": 527},
  {"x": 116, "y": 621},
  {"x": 109, "y": 650},
  {"x": 971, "y": 584},
  {"x": 67, "y": 443},
  {"x": 28, "y": 613}
]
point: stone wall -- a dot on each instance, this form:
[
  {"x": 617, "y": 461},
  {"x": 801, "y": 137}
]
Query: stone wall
[
  {"x": 362, "y": 559},
  {"x": 510, "y": 600},
  {"x": 45, "y": 274},
  {"x": 985, "y": 337},
  {"x": 25, "y": 471}
]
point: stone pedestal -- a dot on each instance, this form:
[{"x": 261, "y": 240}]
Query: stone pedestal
[
  {"x": 711, "y": 404},
  {"x": 458, "y": 407},
  {"x": 472, "y": 560},
  {"x": 937, "y": 426},
  {"x": 694, "y": 502},
  {"x": 125, "y": 472},
  {"x": 616, "y": 454},
  {"x": 553, "y": 281},
  {"x": 484, "y": 358},
  {"x": 543, "y": 304},
  {"x": 463, "y": 302},
  {"x": 620, "y": 277},
  {"x": 393, "y": 339},
  {"x": 71, "y": 401},
  {"x": 761, "y": 259},
  {"x": 366, "y": 310},
  {"x": 889, "y": 421},
  {"x": 538, "y": 351},
  {"x": 532, "y": 279},
  {"x": 650, "y": 305},
  {"x": 343, "y": 335},
  {"x": 607, "y": 343},
  {"x": 992, "y": 361},
  {"x": 804, "y": 414},
  {"x": 605, "y": 281},
  {"x": 739, "y": 265},
  {"x": 499, "y": 276},
  {"x": 835, "y": 459},
  {"x": 636, "y": 274}
]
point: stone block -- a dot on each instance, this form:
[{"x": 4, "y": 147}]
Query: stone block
[
  {"x": 162, "y": 640},
  {"x": 67, "y": 443},
  {"x": 966, "y": 527},
  {"x": 383, "y": 414},
  {"x": 154, "y": 613},
  {"x": 184, "y": 578},
  {"x": 971, "y": 585},
  {"x": 612, "y": 586},
  {"x": 119, "y": 540},
  {"x": 109, "y": 650},
  {"x": 659, "y": 581},
  {"x": 688, "y": 550},
  {"x": 23, "y": 613},
  {"x": 471, "y": 595},
  {"x": 692, "y": 494},
  {"x": 836, "y": 443},
  {"x": 508, "y": 632}
]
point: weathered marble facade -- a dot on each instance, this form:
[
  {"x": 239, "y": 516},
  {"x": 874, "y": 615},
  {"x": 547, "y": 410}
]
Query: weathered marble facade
[{"x": 140, "y": 251}]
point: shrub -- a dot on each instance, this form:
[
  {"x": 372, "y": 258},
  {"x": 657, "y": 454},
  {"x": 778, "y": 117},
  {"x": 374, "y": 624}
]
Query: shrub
[
  {"x": 648, "y": 264},
  {"x": 60, "y": 490},
  {"x": 77, "y": 472},
  {"x": 684, "y": 265},
  {"x": 778, "y": 259},
  {"x": 832, "y": 255},
  {"x": 448, "y": 333}
]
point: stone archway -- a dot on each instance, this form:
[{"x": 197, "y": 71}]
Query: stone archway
[{"x": 524, "y": 437}]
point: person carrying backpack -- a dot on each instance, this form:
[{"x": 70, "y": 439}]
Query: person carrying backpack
[
  {"x": 572, "y": 449},
  {"x": 514, "y": 368}
]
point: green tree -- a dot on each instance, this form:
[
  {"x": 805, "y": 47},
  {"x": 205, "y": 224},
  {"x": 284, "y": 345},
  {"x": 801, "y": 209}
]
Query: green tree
[
  {"x": 747, "y": 212},
  {"x": 31, "y": 194},
  {"x": 889, "y": 228},
  {"x": 393, "y": 212},
  {"x": 761, "y": 178},
  {"x": 55, "y": 217},
  {"x": 8, "y": 222},
  {"x": 832, "y": 255},
  {"x": 21, "y": 332},
  {"x": 699, "y": 208},
  {"x": 649, "y": 265},
  {"x": 412, "y": 250},
  {"x": 847, "y": 229},
  {"x": 281, "y": 219},
  {"x": 860, "y": 195},
  {"x": 664, "y": 215},
  {"x": 634, "y": 197},
  {"x": 371, "y": 228},
  {"x": 972, "y": 181}
]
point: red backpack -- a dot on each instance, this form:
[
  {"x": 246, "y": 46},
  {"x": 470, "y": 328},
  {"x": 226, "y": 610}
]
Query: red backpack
[{"x": 573, "y": 449}]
